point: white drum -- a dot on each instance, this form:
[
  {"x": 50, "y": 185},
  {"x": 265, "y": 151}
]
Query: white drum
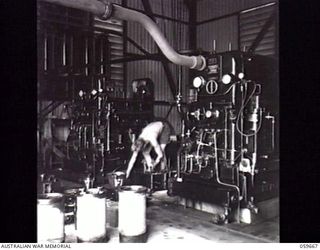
[
  {"x": 91, "y": 216},
  {"x": 132, "y": 213},
  {"x": 50, "y": 218}
]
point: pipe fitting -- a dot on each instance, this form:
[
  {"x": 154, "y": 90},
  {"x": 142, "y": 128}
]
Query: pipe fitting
[
  {"x": 199, "y": 63},
  {"x": 104, "y": 10},
  {"x": 108, "y": 10}
]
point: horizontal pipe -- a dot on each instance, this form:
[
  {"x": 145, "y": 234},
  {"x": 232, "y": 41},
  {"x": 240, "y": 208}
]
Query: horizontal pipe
[
  {"x": 106, "y": 10},
  {"x": 93, "y": 6}
]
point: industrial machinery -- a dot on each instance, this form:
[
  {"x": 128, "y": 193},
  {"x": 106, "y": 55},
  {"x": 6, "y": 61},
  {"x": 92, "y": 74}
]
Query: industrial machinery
[
  {"x": 229, "y": 150},
  {"x": 103, "y": 128}
]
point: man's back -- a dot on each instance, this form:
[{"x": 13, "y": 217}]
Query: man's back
[{"x": 152, "y": 130}]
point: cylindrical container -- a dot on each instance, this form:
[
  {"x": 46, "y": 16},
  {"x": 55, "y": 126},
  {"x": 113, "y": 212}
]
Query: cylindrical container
[
  {"x": 112, "y": 213},
  {"x": 116, "y": 179},
  {"x": 50, "y": 218},
  {"x": 91, "y": 216},
  {"x": 132, "y": 214},
  {"x": 70, "y": 204}
]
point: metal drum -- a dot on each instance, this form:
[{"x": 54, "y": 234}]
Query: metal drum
[
  {"x": 112, "y": 213},
  {"x": 70, "y": 204},
  {"x": 50, "y": 218},
  {"x": 116, "y": 179},
  {"x": 91, "y": 216},
  {"x": 132, "y": 214}
]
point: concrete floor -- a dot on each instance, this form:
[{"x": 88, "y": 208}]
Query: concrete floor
[{"x": 168, "y": 221}]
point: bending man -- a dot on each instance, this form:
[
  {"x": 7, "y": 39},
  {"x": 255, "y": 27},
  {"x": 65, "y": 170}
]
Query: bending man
[{"x": 155, "y": 135}]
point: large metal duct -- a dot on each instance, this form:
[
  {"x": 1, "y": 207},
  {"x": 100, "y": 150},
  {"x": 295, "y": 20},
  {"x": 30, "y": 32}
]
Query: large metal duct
[{"x": 105, "y": 10}]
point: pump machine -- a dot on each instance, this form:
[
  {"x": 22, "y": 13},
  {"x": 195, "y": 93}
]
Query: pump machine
[{"x": 229, "y": 149}]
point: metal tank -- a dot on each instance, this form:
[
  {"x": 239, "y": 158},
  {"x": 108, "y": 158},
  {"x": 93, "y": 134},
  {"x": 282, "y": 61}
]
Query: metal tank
[{"x": 50, "y": 218}]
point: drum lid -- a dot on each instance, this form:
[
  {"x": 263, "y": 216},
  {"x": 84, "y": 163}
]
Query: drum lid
[{"x": 50, "y": 198}]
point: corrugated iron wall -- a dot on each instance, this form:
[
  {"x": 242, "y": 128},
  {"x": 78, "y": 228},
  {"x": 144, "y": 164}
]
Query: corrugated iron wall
[
  {"x": 223, "y": 30},
  {"x": 214, "y": 8},
  {"x": 177, "y": 35},
  {"x": 252, "y": 22}
]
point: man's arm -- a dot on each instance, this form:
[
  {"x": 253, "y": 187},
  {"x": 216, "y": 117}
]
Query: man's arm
[{"x": 131, "y": 163}]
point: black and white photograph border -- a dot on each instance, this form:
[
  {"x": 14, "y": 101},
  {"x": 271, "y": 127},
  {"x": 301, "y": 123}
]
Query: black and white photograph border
[{"x": 157, "y": 121}]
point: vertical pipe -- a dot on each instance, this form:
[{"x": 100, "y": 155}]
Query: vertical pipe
[
  {"x": 192, "y": 30},
  {"x": 273, "y": 133},
  {"x": 232, "y": 143},
  {"x": 179, "y": 80},
  {"x": 86, "y": 56},
  {"x": 79, "y": 138},
  {"x": 64, "y": 51},
  {"x": 53, "y": 51},
  {"x": 226, "y": 133},
  {"x": 85, "y": 138},
  {"x": 93, "y": 130},
  {"x": 93, "y": 60},
  {"x": 101, "y": 57},
  {"x": 71, "y": 51},
  {"x": 108, "y": 126},
  {"x": 45, "y": 51},
  {"x": 125, "y": 51},
  {"x": 241, "y": 123},
  {"x": 223, "y": 183}
]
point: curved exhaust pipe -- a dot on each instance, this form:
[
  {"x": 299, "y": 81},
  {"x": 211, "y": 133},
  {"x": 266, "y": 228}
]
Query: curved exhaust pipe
[{"x": 107, "y": 10}]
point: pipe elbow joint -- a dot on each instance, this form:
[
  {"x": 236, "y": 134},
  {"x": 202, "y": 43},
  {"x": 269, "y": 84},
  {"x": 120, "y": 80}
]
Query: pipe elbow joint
[{"x": 108, "y": 10}]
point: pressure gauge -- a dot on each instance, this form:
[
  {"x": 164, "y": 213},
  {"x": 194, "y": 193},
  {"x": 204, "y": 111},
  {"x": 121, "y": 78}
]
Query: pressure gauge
[
  {"x": 198, "y": 81},
  {"x": 241, "y": 75},
  {"x": 94, "y": 92},
  {"x": 226, "y": 79},
  {"x": 208, "y": 113}
]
